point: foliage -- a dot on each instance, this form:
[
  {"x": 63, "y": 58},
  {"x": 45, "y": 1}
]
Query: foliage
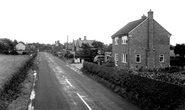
[
  {"x": 180, "y": 49},
  {"x": 6, "y": 45},
  {"x": 98, "y": 45},
  {"x": 177, "y": 61},
  {"x": 12, "y": 88},
  {"x": 108, "y": 48},
  {"x": 146, "y": 93},
  {"x": 86, "y": 49}
]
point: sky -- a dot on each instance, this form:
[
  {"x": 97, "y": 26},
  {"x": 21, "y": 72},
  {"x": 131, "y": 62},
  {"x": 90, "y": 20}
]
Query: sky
[{"x": 46, "y": 21}]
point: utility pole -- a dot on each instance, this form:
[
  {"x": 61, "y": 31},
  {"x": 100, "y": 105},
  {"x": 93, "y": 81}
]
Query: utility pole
[{"x": 67, "y": 47}]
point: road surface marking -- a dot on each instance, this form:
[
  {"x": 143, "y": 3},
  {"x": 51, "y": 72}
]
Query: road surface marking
[
  {"x": 69, "y": 83},
  {"x": 32, "y": 96},
  {"x": 84, "y": 101}
]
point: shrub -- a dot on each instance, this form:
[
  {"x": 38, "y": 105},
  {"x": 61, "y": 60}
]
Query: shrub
[
  {"x": 176, "y": 61},
  {"x": 147, "y": 93},
  {"x": 11, "y": 88},
  {"x": 13, "y": 52}
]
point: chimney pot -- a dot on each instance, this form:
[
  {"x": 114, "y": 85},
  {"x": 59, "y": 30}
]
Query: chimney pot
[
  {"x": 150, "y": 14},
  {"x": 143, "y": 17}
]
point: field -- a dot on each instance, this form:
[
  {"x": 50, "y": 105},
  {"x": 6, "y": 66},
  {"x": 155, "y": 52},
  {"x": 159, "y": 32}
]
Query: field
[{"x": 9, "y": 64}]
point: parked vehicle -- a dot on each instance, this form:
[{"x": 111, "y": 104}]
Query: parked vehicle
[{"x": 99, "y": 59}]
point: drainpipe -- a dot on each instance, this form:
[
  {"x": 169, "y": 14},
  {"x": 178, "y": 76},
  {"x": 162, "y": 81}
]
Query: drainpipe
[{"x": 128, "y": 52}]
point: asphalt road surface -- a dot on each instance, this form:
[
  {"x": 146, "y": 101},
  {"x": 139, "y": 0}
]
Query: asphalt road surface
[{"x": 61, "y": 87}]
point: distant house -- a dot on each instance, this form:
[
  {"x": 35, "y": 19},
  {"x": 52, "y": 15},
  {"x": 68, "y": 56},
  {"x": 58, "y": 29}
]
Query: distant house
[
  {"x": 68, "y": 46},
  {"x": 20, "y": 47},
  {"x": 142, "y": 43},
  {"x": 77, "y": 44},
  {"x": 172, "y": 54}
]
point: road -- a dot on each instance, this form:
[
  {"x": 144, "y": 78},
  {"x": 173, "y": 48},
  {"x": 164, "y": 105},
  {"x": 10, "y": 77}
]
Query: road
[{"x": 61, "y": 87}]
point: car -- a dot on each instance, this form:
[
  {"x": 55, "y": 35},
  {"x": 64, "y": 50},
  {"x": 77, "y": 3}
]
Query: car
[{"x": 99, "y": 59}]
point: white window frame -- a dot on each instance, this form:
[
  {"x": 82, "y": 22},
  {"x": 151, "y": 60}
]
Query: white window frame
[
  {"x": 124, "y": 58},
  {"x": 139, "y": 58},
  {"x": 116, "y": 40},
  {"x": 161, "y": 55},
  {"x": 124, "y": 39},
  {"x": 116, "y": 59}
]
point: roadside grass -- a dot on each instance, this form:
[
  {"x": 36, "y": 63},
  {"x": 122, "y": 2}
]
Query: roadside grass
[
  {"x": 21, "y": 103},
  {"x": 8, "y": 65},
  {"x": 17, "y": 85}
]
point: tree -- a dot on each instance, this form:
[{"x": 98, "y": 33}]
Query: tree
[
  {"x": 86, "y": 49},
  {"x": 180, "y": 50},
  {"x": 172, "y": 47},
  {"x": 108, "y": 48},
  {"x": 98, "y": 45},
  {"x": 15, "y": 43}
]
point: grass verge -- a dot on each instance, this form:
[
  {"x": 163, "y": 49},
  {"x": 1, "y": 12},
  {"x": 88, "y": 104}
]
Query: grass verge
[{"x": 13, "y": 88}]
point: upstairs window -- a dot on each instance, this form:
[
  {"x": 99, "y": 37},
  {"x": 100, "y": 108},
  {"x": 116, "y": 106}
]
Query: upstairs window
[
  {"x": 124, "y": 40},
  {"x": 138, "y": 58},
  {"x": 161, "y": 58},
  {"x": 124, "y": 59},
  {"x": 116, "y": 40}
]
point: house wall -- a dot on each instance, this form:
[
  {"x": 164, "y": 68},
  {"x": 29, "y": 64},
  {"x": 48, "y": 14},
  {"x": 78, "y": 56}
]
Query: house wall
[
  {"x": 20, "y": 46},
  {"x": 138, "y": 44},
  {"x": 161, "y": 45}
]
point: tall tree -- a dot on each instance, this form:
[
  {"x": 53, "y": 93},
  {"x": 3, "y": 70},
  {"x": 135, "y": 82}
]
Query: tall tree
[
  {"x": 180, "y": 50},
  {"x": 86, "y": 49},
  {"x": 98, "y": 45},
  {"x": 108, "y": 48}
]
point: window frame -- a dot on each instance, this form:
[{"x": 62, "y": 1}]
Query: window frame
[
  {"x": 139, "y": 58},
  {"x": 116, "y": 59},
  {"x": 116, "y": 40},
  {"x": 160, "y": 57},
  {"x": 124, "y": 40},
  {"x": 124, "y": 57}
]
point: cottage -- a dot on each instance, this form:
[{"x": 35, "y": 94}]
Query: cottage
[
  {"x": 77, "y": 44},
  {"x": 142, "y": 43},
  {"x": 20, "y": 47}
]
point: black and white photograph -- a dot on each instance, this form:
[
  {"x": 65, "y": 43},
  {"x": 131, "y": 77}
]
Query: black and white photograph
[{"x": 92, "y": 55}]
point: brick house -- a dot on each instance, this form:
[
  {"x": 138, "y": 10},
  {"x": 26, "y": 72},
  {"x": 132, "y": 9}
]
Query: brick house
[
  {"x": 142, "y": 43},
  {"x": 77, "y": 44}
]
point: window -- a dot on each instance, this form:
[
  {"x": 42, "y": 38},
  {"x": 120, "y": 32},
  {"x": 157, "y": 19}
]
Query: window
[
  {"x": 138, "y": 58},
  {"x": 124, "y": 58},
  {"x": 124, "y": 40},
  {"x": 161, "y": 58},
  {"x": 116, "y": 40},
  {"x": 116, "y": 59}
]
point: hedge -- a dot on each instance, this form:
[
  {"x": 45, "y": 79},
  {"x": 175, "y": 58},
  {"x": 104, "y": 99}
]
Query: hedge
[
  {"x": 11, "y": 88},
  {"x": 146, "y": 93}
]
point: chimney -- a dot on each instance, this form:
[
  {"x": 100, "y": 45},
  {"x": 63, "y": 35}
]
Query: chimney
[
  {"x": 150, "y": 14},
  {"x": 143, "y": 17},
  {"x": 85, "y": 38},
  {"x": 150, "y": 29}
]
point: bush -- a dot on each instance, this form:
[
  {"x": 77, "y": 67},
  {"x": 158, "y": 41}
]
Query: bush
[
  {"x": 11, "y": 88},
  {"x": 13, "y": 52},
  {"x": 146, "y": 93},
  {"x": 176, "y": 61}
]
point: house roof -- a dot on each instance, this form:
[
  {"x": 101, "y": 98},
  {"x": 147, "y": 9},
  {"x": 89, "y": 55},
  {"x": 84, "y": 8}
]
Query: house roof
[
  {"x": 128, "y": 27},
  {"x": 80, "y": 42}
]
